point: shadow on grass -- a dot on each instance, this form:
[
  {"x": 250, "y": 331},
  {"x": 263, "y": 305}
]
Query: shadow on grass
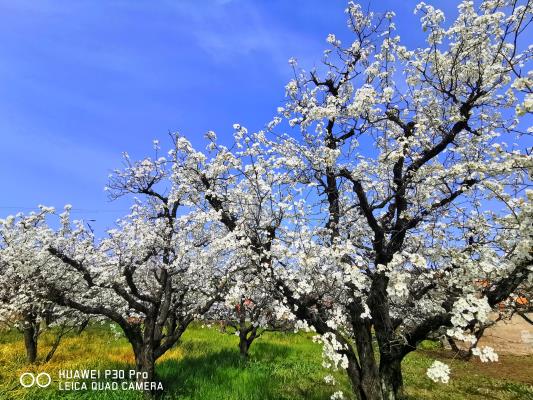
[
  {"x": 268, "y": 352},
  {"x": 206, "y": 375},
  {"x": 224, "y": 374}
]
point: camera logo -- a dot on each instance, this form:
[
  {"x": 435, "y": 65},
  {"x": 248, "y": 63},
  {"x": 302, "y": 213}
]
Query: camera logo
[{"x": 42, "y": 379}]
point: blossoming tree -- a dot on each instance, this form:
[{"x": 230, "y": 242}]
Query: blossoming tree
[
  {"x": 23, "y": 303},
  {"x": 420, "y": 195},
  {"x": 161, "y": 267},
  {"x": 377, "y": 218},
  {"x": 252, "y": 195},
  {"x": 250, "y": 310}
]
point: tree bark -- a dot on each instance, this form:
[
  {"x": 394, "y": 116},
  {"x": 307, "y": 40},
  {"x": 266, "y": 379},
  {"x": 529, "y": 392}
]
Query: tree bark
[
  {"x": 369, "y": 369},
  {"x": 372, "y": 383},
  {"x": 387, "y": 386},
  {"x": 243, "y": 346},
  {"x": 355, "y": 378},
  {"x": 246, "y": 337},
  {"x": 31, "y": 335},
  {"x": 144, "y": 366},
  {"x": 390, "y": 372}
]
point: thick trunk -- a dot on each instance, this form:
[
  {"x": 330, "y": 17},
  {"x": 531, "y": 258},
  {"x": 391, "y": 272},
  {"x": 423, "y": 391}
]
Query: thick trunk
[
  {"x": 368, "y": 383},
  {"x": 370, "y": 386},
  {"x": 355, "y": 379},
  {"x": 244, "y": 346},
  {"x": 30, "y": 342},
  {"x": 367, "y": 360},
  {"x": 145, "y": 367},
  {"x": 363, "y": 371},
  {"x": 366, "y": 386},
  {"x": 145, "y": 363},
  {"x": 387, "y": 386},
  {"x": 247, "y": 334},
  {"x": 390, "y": 371}
]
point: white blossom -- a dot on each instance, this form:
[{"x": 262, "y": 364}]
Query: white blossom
[{"x": 439, "y": 372}]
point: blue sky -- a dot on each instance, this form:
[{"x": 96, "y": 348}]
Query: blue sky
[{"x": 83, "y": 81}]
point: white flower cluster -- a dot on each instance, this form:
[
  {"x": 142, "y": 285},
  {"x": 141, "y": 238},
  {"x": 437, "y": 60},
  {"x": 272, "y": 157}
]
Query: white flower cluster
[
  {"x": 398, "y": 285},
  {"x": 291, "y": 88},
  {"x": 439, "y": 372},
  {"x": 332, "y": 39},
  {"x": 337, "y": 396},
  {"x": 470, "y": 308},
  {"x": 330, "y": 352},
  {"x": 485, "y": 354}
]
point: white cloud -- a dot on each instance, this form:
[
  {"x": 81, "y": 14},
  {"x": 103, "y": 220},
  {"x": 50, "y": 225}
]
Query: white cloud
[{"x": 229, "y": 29}]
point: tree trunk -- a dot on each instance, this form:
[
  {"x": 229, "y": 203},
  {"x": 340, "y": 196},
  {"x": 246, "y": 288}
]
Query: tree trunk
[
  {"x": 243, "y": 346},
  {"x": 390, "y": 371},
  {"x": 387, "y": 384},
  {"x": 369, "y": 369},
  {"x": 362, "y": 371},
  {"x": 369, "y": 387},
  {"x": 145, "y": 364},
  {"x": 53, "y": 349},
  {"x": 56, "y": 343},
  {"x": 355, "y": 379},
  {"x": 30, "y": 341}
]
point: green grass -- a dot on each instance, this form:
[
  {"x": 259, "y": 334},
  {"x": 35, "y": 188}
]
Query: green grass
[{"x": 206, "y": 365}]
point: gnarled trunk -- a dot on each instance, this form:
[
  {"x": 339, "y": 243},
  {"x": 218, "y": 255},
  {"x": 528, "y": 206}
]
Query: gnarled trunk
[
  {"x": 354, "y": 375},
  {"x": 30, "y": 341},
  {"x": 364, "y": 364},
  {"x": 31, "y": 335},
  {"x": 370, "y": 383},
  {"x": 243, "y": 346},
  {"x": 388, "y": 386},
  {"x": 370, "y": 386},
  {"x": 246, "y": 337},
  {"x": 367, "y": 383},
  {"x": 145, "y": 365},
  {"x": 390, "y": 373}
]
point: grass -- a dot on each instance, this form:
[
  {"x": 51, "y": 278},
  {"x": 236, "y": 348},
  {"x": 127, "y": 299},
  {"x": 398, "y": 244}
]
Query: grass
[{"x": 206, "y": 365}]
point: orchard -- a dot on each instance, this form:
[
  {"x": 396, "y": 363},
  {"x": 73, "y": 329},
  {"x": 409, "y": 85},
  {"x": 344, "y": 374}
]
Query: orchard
[{"x": 387, "y": 202}]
